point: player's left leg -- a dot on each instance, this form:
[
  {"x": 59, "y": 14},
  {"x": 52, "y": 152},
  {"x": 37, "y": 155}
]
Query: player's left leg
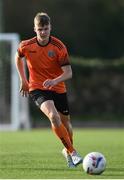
[{"x": 61, "y": 104}]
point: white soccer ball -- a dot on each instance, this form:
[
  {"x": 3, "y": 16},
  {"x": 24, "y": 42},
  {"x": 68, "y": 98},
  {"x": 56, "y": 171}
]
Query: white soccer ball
[{"x": 94, "y": 163}]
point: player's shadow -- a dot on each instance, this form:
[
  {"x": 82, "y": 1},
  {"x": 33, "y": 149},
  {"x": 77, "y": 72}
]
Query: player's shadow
[
  {"x": 118, "y": 172},
  {"x": 39, "y": 168}
]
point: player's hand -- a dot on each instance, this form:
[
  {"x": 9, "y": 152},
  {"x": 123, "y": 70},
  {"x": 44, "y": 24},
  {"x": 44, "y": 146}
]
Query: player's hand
[
  {"x": 49, "y": 83},
  {"x": 24, "y": 89}
]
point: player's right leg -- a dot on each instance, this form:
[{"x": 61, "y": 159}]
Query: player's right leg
[
  {"x": 68, "y": 158},
  {"x": 74, "y": 158},
  {"x": 44, "y": 101},
  {"x": 50, "y": 111},
  {"x": 66, "y": 122}
]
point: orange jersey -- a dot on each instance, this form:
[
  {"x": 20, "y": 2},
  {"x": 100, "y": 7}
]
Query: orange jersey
[{"x": 44, "y": 62}]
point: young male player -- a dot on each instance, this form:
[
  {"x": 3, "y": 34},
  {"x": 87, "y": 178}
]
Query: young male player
[{"x": 48, "y": 64}]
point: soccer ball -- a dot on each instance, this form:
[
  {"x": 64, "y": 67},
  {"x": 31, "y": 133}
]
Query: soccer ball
[{"x": 94, "y": 163}]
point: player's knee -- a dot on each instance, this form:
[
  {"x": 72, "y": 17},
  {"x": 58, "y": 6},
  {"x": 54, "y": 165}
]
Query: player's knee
[{"x": 54, "y": 118}]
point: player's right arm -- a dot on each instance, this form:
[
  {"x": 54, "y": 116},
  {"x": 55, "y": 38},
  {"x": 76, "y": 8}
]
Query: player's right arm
[{"x": 21, "y": 71}]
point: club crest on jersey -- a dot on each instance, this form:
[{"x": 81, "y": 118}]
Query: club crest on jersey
[{"x": 51, "y": 53}]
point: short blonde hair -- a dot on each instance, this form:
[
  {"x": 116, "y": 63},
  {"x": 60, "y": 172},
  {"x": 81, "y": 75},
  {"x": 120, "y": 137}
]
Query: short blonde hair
[{"x": 42, "y": 18}]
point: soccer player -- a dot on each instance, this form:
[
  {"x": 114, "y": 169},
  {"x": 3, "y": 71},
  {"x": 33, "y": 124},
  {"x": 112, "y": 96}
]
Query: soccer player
[{"x": 48, "y": 64}]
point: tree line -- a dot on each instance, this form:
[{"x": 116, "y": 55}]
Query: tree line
[{"x": 89, "y": 28}]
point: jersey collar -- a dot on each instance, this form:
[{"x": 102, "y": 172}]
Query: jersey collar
[{"x": 45, "y": 44}]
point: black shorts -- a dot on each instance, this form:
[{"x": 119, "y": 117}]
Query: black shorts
[{"x": 60, "y": 100}]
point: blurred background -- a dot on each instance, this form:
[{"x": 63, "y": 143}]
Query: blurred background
[{"x": 93, "y": 31}]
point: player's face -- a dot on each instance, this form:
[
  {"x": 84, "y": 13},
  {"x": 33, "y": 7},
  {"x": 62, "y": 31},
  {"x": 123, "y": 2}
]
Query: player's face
[{"x": 42, "y": 32}]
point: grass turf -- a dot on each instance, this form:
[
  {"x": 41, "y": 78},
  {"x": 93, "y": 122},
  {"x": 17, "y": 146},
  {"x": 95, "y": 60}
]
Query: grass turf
[{"x": 36, "y": 154}]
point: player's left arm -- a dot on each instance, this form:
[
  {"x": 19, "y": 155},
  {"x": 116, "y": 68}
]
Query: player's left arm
[{"x": 67, "y": 74}]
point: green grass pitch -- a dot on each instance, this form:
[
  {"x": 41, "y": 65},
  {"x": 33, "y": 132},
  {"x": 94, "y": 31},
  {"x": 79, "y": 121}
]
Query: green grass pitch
[{"x": 36, "y": 154}]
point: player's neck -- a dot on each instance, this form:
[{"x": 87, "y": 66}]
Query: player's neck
[{"x": 43, "y": 42}]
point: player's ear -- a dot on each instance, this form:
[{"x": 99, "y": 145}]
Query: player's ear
[
  {"x": 34, "y": 29},
  {"x": 50, "y": 27}
]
